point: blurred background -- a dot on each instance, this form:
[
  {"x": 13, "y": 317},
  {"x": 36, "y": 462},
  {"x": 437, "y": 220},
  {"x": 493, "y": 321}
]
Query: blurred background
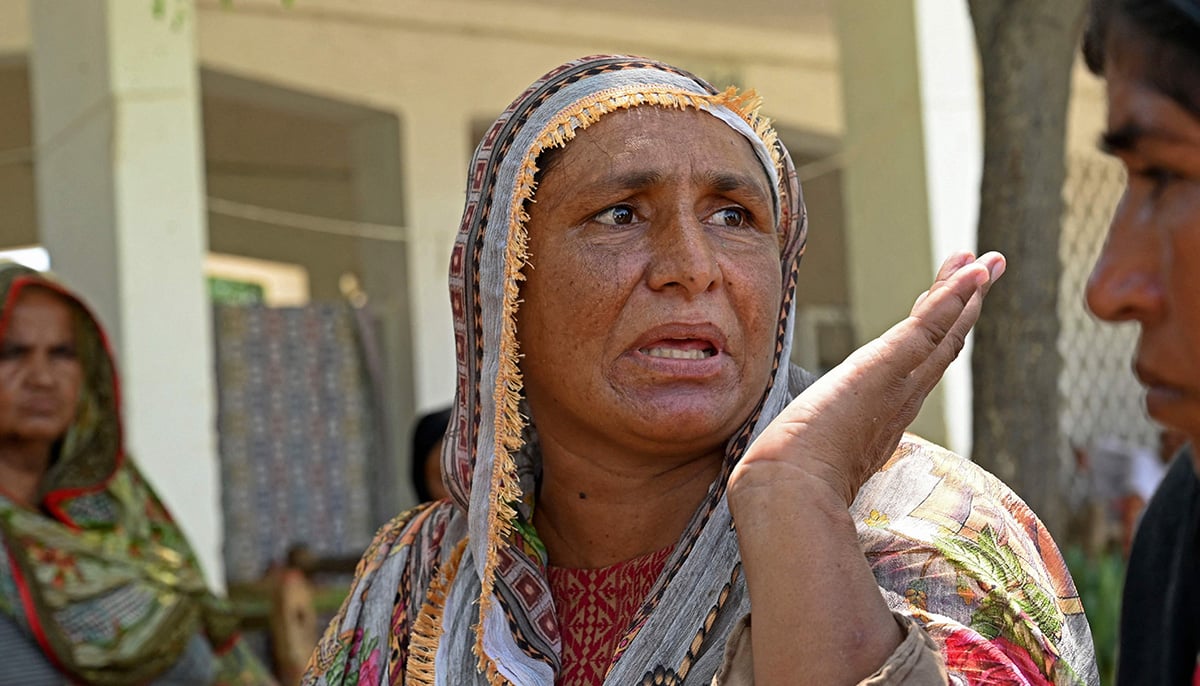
[{"x": 259, "y": 199}]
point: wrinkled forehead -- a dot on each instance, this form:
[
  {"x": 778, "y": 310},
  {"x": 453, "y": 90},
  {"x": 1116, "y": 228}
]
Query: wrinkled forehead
[
  {"x": 32, "y": 295},
  {"x": 639, "y": 143},
  {"x": 41, "y": 294},
  {"x": 630, "y": 81}
]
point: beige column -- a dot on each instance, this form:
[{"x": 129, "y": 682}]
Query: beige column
[
  {"x": 435, "y": 154},
  {"x": 953, "y": 128},
  {"x": 911, "y": 174},
  {"x": 375, "y": 146},
  {"x": 120, "y": 187}
]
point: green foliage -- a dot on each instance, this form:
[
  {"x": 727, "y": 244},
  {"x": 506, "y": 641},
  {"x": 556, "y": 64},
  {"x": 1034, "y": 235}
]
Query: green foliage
[
  {"x": 1099, "y": 580},
  {"x": 178, "y": 12},
  {"x": 230, "y": 292},
  {"x": 285, "y": 3}
]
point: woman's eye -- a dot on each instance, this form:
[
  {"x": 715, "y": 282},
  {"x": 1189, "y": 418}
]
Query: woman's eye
[
  {"x": 64, "y": 352},
  {"x": 731, "y": 216},
  {"x": 618, "y": 215},
  {"x": 1158, "y": 177},
  {"x": 1162, "y": 178}
]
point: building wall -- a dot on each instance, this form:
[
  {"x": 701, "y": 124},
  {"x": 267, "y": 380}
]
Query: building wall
[
  {"x": 18, "y": 209},
  {"x": 270, "y": 157},
  {"x": 14, "y": 27},
  {"x": 442, "y": 68}
]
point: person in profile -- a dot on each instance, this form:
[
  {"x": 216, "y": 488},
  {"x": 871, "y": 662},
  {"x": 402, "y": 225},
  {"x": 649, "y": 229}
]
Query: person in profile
[
  {"x": 98, "y": 584},
  {"x": 1148, "y": 272}
]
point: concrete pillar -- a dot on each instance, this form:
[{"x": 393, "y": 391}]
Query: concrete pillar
[
  {"x": 912, "y": 170},
  {"x": 375, "y": 150},
  {"x": 952, "y": 115},
  {"x": 435, "y": 155},
  {"x": 120, "y": 189}
]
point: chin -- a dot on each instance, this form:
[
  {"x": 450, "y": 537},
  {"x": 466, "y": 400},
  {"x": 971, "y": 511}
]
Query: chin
[
  {"x": 39, "y": 434},
  {"x": 688, "y": 424}
]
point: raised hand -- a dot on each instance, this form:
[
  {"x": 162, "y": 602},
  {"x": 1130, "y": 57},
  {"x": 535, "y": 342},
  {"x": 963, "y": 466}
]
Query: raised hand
[
  {"x": 846, "y": 425},
  {"x": 790, "y": 494}
]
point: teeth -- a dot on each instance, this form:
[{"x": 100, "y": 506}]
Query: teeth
[{"x": 677, "y": 354}]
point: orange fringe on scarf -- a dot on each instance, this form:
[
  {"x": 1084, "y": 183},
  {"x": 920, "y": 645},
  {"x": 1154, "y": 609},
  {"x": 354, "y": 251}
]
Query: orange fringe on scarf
[{"x": 509, "y": 424}]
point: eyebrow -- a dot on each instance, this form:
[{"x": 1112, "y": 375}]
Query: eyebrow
[
  {"x": 719, "y": 181},
  {"x": 726, "y": 182},
  {"x": 637, "y": 180},
  {"x": 1128, "y": 137},
  {"x": 1122, "y": 139}
]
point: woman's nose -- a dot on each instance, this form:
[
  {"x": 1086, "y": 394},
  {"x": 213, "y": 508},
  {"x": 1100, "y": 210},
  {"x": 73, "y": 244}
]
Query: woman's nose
[
  {"x": 1126, "y": 282},
  {"x": 38, "y": 370},
  {"x": 683, "y": 254}
]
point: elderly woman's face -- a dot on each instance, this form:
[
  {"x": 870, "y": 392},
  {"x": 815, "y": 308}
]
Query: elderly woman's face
[
  {"x": 40, "y": 373},
  {"x": 1149, "y": 269},
  {"x": 650, "y": 307}
]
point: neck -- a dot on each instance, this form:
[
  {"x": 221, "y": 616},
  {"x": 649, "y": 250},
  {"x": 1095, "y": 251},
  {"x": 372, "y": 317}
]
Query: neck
[
  {"x": 22, "y": 466},
  {"x": 597, "y": 508}
]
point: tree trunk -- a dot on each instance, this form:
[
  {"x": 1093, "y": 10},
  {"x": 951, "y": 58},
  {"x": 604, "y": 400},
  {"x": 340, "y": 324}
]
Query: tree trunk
[{"x": 1027, "y": 49}]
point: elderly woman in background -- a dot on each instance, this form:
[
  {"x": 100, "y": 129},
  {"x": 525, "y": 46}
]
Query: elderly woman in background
[
  {"x": 640, "y": 494},
  {"x": 97, "y": 583}
]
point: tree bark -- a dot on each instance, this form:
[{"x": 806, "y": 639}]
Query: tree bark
[{"x": 1027, "y": 50}]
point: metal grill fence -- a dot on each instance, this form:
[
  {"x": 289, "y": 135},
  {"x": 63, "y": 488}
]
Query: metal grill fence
[{"x": 1101, "y": 399}]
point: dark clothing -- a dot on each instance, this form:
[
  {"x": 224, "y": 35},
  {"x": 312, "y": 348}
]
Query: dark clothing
[{"x": 1160, "y": 615}]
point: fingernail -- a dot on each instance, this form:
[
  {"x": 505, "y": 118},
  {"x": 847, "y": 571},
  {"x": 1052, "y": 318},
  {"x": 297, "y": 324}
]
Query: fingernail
[{"x": 997, "y": 268}]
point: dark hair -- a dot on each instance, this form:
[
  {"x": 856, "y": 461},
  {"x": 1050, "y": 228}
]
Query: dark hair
[
  {"x": 1166, "y": 35},
  {"x": 430, "y": 429},
  {"x": 547, "y": 159}
]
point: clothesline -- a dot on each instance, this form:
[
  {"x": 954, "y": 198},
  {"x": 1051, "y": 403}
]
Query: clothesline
[{"x": 359, "y": 229}]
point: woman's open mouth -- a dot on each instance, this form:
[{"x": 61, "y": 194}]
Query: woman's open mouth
[{"x": 681, "y": 350}]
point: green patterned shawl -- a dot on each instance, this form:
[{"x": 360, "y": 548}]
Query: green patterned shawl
[{"x": 100, "y": 576}]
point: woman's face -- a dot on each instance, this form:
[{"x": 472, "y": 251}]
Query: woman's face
[
  {"x": 651, "y": 301},
  {"x": 40, "y": 373},
  {"x": 1149, "y": 269}
]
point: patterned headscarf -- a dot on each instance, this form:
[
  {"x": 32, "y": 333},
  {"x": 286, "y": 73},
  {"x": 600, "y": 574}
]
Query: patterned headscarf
[
  {"x": 492, "y": 446},
  {"x": 456, "y": 593},
  {"x": 91, "y": 451}
]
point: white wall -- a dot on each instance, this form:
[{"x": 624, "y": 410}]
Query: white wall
[{"x": 954, "y": 164}]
